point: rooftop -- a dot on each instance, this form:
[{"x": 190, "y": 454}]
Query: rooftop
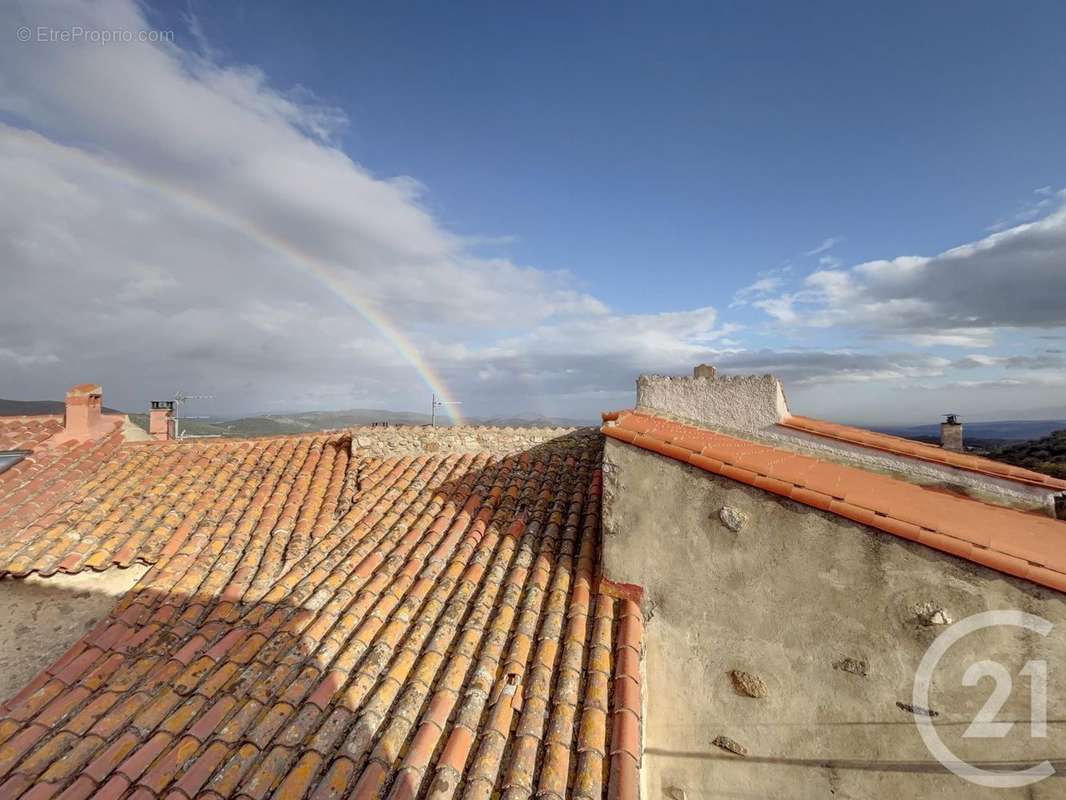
[
  {"x": 921, "y": 450},
  {"x": 1023, "y": 544},
  {"x": 53, "y": 468},
  {"x": 377, "y": 613},
  {"x": 318, "y": 625}
]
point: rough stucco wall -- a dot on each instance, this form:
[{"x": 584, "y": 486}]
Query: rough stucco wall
[
  {"x": 790, "y": 595},
  {"x": 132, "y": 433},
  {"x": 40, "y": 618},
  {"x": 407, "y": 440},
  {"x": 741, "y": 402}
]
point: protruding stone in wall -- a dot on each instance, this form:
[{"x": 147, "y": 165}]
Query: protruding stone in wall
[
  {"x": 856, "y": 666},
  {"x": 732, "y": 402},
  {"x": 732, "y": 518},
  {"x": 929, "y": 614},
  {"x": 749, "y": 684},
  {"x": 732, "y": 745}
]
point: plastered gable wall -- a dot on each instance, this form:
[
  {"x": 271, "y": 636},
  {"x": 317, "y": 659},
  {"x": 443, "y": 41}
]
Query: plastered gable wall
[
  {"x": 752, "y": 406},
  {"x": 740, "y": 402},
  {"x": 799, "y": 597}
]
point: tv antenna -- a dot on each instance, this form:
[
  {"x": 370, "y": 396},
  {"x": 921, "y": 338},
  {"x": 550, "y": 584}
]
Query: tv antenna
[
  {"x": 180, "y": 398},
  {"x": 438, "y": 403}
]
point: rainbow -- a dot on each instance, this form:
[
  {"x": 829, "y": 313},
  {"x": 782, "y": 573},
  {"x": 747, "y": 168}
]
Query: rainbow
[{"x": 307, "y": 263}]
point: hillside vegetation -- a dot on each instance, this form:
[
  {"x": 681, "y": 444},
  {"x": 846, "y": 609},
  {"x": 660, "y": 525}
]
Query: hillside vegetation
[{"x": 1047, "y": 455}]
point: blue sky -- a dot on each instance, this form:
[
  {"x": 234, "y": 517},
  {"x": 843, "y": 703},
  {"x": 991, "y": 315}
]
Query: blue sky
[
  {"x": 663, "y": 159},
  {"x": 708, "y": 143}
]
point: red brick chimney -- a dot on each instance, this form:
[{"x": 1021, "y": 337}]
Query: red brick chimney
[
  {"x": 161, "y": 419},
  {"x": 82, "y": 418}
]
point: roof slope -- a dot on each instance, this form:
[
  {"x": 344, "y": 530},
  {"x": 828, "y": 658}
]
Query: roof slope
[
  {"x": 444, "y": 637},
  {"x": 50, "y": 472},
  {"x": 1021, "y": 544},
  {"x": 24, "y": 433},
  {"x": 149, "y": 499},
  {"x": 926, "y": 452}
]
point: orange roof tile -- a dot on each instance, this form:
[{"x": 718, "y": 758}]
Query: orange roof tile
[
  {"x": 1024, "y": 545},
  {"x": 24, "y": 433},
  {"x": 395, "y": 628},
  {"x": 921, "y": 450},
  {"x": 148, "y": 499},
  {"x": 50, "y": 472}
]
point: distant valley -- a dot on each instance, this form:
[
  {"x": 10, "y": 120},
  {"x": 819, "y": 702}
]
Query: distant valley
[
  {"x": 985, "y": 434},
  {"x": 310, "y": 421},
  {"x": 1027, "y": 443}
]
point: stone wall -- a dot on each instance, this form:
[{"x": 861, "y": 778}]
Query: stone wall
[
  {"x": 404, "y": 440},
  {"x": 739, "y": 402},
  {"x": 825, "y": 623}
]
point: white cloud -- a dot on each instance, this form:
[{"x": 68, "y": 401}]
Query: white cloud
[
  {"x": 167, "y": 241},
  {"x": 760, "y": 288},
  {"x": 170, "y": 223},
  {"x": 827, "y": 244},
  {"x": 1011, "y": 279},
  {"x": 1045, "y": 199}
]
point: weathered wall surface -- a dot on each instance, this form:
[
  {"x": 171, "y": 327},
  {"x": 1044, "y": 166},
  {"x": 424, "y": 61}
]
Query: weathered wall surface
[
  {"x": 741, "y": 402},
  {"x": 410, "y": 439},
  {"x": 808, "y": 602},
  {"x": 40, "y": 618}
]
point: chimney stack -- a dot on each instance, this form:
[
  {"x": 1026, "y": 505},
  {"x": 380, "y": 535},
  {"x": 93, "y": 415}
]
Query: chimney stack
[
  {"x": 161, "y": 420},
  {"x": 951, "y": 433},
  {"x": 82, "y": 418}
]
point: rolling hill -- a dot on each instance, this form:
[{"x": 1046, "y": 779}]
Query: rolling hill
[{"x": 1046, "y": 454}]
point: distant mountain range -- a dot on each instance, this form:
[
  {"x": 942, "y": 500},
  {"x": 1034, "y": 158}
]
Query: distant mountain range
[
  {"x": 988, "y": 434},
  {"x": 1008, "y": 430},
  {"x": 310, "y": 421},
  {"x": 301, "y": 422},
  {"x": 29, "y": 408}
]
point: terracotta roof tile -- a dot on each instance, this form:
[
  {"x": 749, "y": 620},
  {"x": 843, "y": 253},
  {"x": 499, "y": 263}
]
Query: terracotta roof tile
[
  {"x": 438, "y": 633},
  {"x": 40, "y": 483},
  {"x": 1022, "y": 544},
  {"x": 144, "y": 502},
  {"x": 921, "y": 450}
]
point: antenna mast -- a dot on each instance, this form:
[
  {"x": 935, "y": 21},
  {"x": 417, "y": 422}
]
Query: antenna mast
[
  {"x": 180, "y": 398},
  {"x": 436, "y": 403}
]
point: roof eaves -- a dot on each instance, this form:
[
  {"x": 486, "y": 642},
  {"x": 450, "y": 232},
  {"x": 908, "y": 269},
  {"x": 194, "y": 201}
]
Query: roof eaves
[
  {"x": 921, "y": 450},
  {"x": 1024, "y": 545}
]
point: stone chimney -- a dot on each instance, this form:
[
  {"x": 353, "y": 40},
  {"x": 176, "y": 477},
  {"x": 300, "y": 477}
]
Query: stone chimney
[
  {"x": 951, "y": 433},
  {"x": 161, "y": 420},
  {"x": 730, "y": 402},
  {"x": 82, "y": 418}
]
